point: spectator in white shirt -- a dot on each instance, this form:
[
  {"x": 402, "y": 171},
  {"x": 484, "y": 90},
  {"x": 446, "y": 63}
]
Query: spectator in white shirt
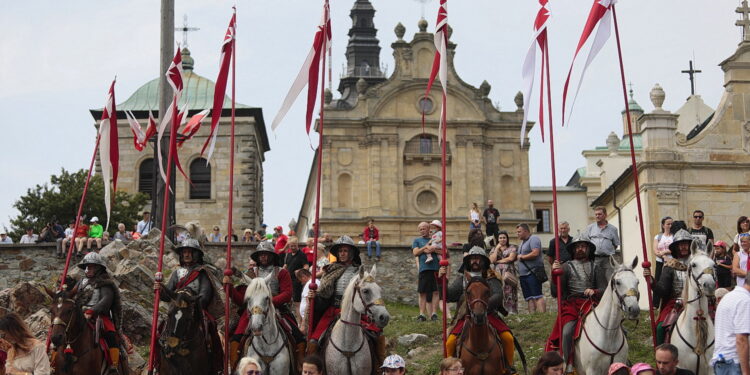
[
  {"x": 304, "y": 276},
  {"x": 4, "y": 238},
  {"x": 145, "y": 225},
  {"x": 29, "y": 237},
  {"x": 731, "y": 330}
]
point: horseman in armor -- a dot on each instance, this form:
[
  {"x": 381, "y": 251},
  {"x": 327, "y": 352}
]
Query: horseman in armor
[
  {"x": 328, "y": 296},
  {"x": 477, "y": 264},
  {"x": 671, "y": 283},
  {"x": 194, "y": 275},
  {"x": 281, "y": 288},
  {"x": 582, "y": 286},
  {"x": 100, "y": 300}
]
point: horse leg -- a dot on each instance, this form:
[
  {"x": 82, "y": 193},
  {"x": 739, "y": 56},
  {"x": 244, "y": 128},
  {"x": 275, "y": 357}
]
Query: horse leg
[{"x": 567, "y": 339}]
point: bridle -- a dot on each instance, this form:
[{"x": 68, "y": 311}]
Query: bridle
[
  {"x": 632, "y": 292},
  {"x": 701, "y": 318},
  {"x": 474, "y": 301},
  {"x": 173, "y": 341},
  {"x": 57, "y": 321},
  {"x": 367, "y": 306},
  {"x": 699, "y": 288},
  {"x": 483, "y": 355},
  {"x": 267, "y": 359}
]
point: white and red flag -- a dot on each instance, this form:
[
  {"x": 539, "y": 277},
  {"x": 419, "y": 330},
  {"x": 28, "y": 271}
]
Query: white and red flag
[
  {"x": 440, "y": 63},
  {"x": 174, "y": 78},
  {"x": 221, "y": 86},
  {"x": 151, "y": 130},
  {"x": 109, "y": 150},
  {"x": 310, "y": 73},
  {"x": 600, "y": 18},
  {"x": 529, "y": 67},
  {"x": 139, "y": 136},
  {"x": 192, "y": 126}
]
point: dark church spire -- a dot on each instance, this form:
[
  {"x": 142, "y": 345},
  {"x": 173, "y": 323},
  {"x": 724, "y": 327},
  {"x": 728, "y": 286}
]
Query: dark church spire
[{"x": 362, "y": 51}]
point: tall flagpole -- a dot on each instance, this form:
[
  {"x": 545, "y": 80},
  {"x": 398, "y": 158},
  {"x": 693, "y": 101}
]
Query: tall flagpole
[
  {"x": 75, "y": 228},
  {"x": 646, "y": 264},
  {"x": 228, "y": 269},
  {"x": 444, "y": 262},
  {"x": 165, "y": 211},
  {"x": 316, "y": 227}
]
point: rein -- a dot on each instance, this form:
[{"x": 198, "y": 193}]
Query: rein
[
  {"x": 174, "y": 341},
  {"x": 358, "y": 292},
  {"x": 698, "y": 350}
]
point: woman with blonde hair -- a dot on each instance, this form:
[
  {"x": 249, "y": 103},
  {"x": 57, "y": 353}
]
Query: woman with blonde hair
[
  {"x": 475, "y": 217},
  {"x": 248, "y": 366},
  {"x": 26, "y": 354},
  {"x": 451, "y": 366}
]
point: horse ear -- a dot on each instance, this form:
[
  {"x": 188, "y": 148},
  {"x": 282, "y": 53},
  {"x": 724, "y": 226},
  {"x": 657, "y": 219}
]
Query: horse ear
[
  {"x": 374, "y": 270},
  {"x": 50, "y": 293},
  {"x": 268, "y": 278},
  {"x": 361, "y": 272},
  {"x": 634, "y": 263},
  {"x": 613, "y": 262},
  {"x": 695, "y": 246}
]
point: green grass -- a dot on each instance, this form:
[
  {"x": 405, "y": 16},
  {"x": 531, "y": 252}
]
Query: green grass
[{"x": 531, "y": 330}]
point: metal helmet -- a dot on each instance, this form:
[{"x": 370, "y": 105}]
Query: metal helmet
[
  {"x": 681, "y": 236},
  {"x": 190, "y": 243},
  {"x": 571, "y": 247},
  {"x": 346, "y": 241},
  {"x": 92, "y": 258},
  {"x": 477, "y": 251},
  {"x": 265, "y": 247}
]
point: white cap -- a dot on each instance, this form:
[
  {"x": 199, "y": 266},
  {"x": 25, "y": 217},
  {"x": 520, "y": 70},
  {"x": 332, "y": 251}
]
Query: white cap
[
  {"x": 94, "y": 219},
  {"x": 437, "y": 223}
]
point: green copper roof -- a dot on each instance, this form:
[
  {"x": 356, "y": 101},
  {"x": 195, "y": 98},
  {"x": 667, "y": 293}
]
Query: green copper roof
[
  {"x": 625, "y": 144},
  {"x": 198, "y": 92}
]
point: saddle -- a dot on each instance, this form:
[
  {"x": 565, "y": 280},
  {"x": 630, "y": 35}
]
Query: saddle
[{"x": 671, "y": 319}]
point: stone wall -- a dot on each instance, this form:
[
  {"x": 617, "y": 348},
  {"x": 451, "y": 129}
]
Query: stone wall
[{"x": 397, "y": 272}]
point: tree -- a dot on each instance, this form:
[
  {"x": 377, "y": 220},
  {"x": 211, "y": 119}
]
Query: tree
[{"x": 58, "y": 200}]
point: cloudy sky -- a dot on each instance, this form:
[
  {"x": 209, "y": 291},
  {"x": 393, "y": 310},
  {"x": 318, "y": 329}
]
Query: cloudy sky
[{"x": 57, "y": 60}]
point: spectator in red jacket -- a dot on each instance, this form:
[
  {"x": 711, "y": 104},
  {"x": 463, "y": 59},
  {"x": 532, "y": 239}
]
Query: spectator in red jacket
[
  {"x": 372, "y": 236},
  {"x": 281, "y": 240}
]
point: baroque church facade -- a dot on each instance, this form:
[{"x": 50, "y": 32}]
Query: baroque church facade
[
  {"x": 206, "y": 199},
  {"x": 380, "y": 163}
]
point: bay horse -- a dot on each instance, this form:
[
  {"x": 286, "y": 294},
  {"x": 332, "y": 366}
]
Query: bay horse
[
  {"x": 602, "y": 340},
  {"x": 75, "y": 349},
  {"x": 480, "y": 351},
  {"x": 184, "y": 341},
  {"x": 268, "y": 344},
  {"x": 348, "y": 350},
  {"x": 693, "y": 332}
]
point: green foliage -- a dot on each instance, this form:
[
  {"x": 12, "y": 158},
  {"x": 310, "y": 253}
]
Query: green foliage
[{"x": 59, "y": 200}]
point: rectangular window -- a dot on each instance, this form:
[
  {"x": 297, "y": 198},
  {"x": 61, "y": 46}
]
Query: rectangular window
[
  {"x": 543, "y": 226},
  {"x": 425, "y": 145}
]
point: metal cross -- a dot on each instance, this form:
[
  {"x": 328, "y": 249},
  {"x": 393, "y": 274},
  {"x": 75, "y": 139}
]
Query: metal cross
[
  {"x": 744, "y": 10},
  {"x": 185, "y": 29},
  {"x": 692, "y": 72}
]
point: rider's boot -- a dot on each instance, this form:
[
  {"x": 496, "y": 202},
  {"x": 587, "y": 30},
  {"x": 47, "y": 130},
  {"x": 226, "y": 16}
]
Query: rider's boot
[
  {"x": 450, "y": 345},
  {"x": 380, "y": 348},
  {"x": 506, "y": 339},
  {"x": 299, "y": 354},
  {"x": 312, "y": 347},
  {"x": 234, "y": 351},
  {"x": 114, "y": 355}
]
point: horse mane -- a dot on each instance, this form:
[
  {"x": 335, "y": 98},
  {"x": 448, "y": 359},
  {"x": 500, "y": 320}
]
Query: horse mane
[
  {"x": 256, "y": 287},
  {"x": 346, "y": 300}
]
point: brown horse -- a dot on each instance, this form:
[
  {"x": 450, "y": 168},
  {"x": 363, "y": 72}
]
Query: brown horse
[
  {"x": 75, "y": 348},
  {"x": 480, "y": 349},
  {"x": 184, "y": 340}
]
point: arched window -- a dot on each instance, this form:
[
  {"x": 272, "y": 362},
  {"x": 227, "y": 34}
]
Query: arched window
[
  {"x": 146, "y": 176},
  {"x": 345, "y": 191},
  {"x": 425, "y": 144},
  {"x": 200, "y": 174}
]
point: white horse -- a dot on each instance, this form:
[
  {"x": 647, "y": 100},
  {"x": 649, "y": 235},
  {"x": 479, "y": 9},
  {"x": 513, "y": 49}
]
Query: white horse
[
  {"x": 348, "y": 351},
  {"x": 268, "y": 343},
  {"x": 602, "y": 341},
  {"x": 693, "y": 333}
]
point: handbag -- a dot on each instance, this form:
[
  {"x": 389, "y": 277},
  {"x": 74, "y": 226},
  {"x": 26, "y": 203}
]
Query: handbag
[{"x": 538, "y": 271}]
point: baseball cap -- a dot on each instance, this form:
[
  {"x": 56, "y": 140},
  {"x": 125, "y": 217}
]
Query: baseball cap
[
  {"x": 279, "y": 228},
  {"x": 94, "y": 219},
  {"x": 436, "y": 223},
  {"x": 720, "y": 243},
  {"x": 638, "y": 367},
  {"x": 393, "y": 361},
  {"x": 616, "y": 366}
]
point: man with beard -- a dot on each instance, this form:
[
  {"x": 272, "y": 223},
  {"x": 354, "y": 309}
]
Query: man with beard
[
  {"x": 671, "y": 283},
  {"x": 193, "y": 275},
  {"x": 477, "y": 264},
  {"x": 332, "y": 287},
  {"x": 581, "y": 287},
  {"x": 281, "y": 290},
  {"x": 100, "y": 300}
]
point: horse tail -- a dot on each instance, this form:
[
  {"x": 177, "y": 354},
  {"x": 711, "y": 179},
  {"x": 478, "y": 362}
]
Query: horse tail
[{"x": 521, "y": 354}]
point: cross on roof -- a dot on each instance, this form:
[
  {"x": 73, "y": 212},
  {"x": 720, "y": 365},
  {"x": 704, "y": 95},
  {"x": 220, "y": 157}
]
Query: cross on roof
[
  {"x": 744, "y": 10},
  {"x": 692, "y": 72},
  {"x": 185, "y": 29}
]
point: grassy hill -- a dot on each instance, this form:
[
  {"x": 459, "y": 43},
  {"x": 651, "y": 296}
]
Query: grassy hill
[{"x": 531, "y": 330}]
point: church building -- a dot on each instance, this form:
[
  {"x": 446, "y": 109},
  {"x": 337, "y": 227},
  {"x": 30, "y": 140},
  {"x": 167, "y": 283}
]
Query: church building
[
  {"x": 206, "y": 200},
  {"x": 380, "y": 163}
]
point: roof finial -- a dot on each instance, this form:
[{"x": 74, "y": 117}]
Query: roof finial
[
  {"x": 630, "y": 85},
  {"x": 185, "y": 29},
  {"x": 744, "y": 10},
  {"x": 692, "y": 72}
]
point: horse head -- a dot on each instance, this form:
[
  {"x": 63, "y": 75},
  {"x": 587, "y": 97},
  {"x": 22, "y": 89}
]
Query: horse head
[
  {"x": 701, "y": 268},
  {"x": 66, "y": 316},
  {"x": 624, "y": 285},
  {"x": 366, "y": 297},
  {"x": 477, "y": 298},
  {"x": 183, "y": 318},
  {"x": 259, "y": 304}
]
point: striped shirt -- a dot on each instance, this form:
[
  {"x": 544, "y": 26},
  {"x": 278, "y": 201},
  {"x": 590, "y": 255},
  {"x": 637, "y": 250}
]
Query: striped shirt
[{"x": 731, "y": 320}]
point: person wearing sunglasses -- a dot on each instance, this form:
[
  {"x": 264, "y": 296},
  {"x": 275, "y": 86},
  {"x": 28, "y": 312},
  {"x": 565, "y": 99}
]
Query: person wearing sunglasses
[
  {"x": 393, "y": 365},
  {"x": 451, "y": 366},
  {"x": 248, "y": 366},
  {"x": 699, "y": 231}
]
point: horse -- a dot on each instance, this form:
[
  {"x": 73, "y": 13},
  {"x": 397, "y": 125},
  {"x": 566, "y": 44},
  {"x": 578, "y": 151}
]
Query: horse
[
  {"x": 693, "y": 332},
  {"x": 480, "y": 350},
  {"x": 74, "y": 345},
  {"x": 603, "y": 341},
  {"x": 269, "y": 345},
  {"x": 348, "y": 352},
  {"x": 183, "y": 342}
]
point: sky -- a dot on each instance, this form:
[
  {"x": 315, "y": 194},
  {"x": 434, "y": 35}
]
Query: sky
[{"x": 58, "y": 59}]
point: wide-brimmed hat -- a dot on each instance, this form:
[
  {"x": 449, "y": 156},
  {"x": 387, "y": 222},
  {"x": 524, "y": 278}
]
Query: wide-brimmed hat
[
  {"x": 681, "y": 236},
  {"x": 571, "y": 247},
  {"x": 345, "y": 241},
  {"x": 92, "y": 258},
  {"x": 265, "y": 247},
  {"x": 190, "y": 243},
  {"x": 476, "y": 251}
]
